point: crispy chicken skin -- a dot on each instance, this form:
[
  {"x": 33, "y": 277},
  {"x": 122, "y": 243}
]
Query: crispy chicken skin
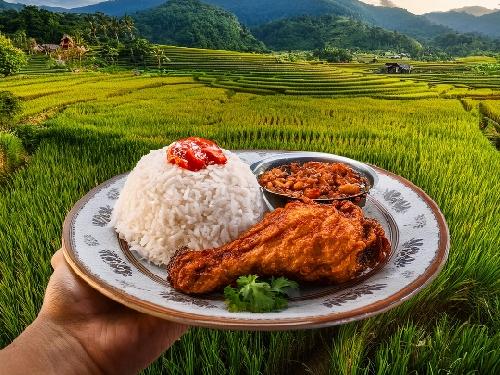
[{"x": 308, "y": 242}]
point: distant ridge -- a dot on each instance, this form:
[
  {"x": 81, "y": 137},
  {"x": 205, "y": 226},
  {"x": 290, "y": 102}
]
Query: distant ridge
[
  {"x": 488, "y": 24},
  {"x": 258, "y": 12},
  {"x": 119, "y": 7},
  {"x": 5, "y": 5},
  {"x": 475, "y": 10}
]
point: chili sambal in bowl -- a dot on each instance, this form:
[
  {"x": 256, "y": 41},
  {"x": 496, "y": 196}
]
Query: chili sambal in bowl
[{"x": 301, "y": 176}]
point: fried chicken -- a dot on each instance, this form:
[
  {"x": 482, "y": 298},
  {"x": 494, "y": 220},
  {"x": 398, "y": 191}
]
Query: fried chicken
[{"x": 308, "y": 242}]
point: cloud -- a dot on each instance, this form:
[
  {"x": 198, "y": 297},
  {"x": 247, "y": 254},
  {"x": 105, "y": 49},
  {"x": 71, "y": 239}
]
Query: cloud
[{"x": 388, "y": 4}]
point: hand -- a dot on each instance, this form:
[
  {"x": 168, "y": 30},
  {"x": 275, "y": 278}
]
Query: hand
[{"x": 84, "y": 332}]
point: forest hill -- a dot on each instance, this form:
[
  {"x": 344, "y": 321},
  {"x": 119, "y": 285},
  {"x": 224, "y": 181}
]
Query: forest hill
[{"x": 306, "y": 33}]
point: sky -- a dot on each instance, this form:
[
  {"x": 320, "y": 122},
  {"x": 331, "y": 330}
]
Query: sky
[
  {"x": 425, "y": 6},
  {"x": 414, "y": 6}
]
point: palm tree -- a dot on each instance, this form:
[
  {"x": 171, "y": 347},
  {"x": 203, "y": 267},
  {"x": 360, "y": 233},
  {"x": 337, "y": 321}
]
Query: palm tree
[
  {"x": 78, "y": 38},
  {"x": 103, "y": 23},
  {"x": 92, "y": 23},
  {"x": 115, "y": 27},
  {"x": 128, "y": 25},
  {"x": 160, "y": 56}
]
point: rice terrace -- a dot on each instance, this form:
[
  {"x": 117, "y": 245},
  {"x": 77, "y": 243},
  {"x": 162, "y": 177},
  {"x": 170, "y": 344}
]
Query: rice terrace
[{"x": 68, "y": 126}]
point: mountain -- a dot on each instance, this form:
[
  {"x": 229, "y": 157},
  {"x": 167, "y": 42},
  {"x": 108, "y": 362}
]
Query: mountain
[
  {"x": 5, "y": 5},
  {"x": 456, "y": 44},
  {"x": 488, "y": 24},
  {"x": 401, "y": 20},
  {"x": 55, "y": 9},
  {"x": 193, "y": 24},
  {"x": 309, "y": 33},
  {"x": 119, "y": 7},
  {"x": 250, "y": 12},
  {"x": 337, "y": 23},
  {"x": 257, "y": 12},
  {"x": 474, "y": 10}
]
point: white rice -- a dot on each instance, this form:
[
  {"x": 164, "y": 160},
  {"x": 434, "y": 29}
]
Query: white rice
[{"x": 163, "y": 207}]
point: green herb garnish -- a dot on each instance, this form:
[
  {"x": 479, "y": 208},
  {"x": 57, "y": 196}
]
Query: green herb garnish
[{"x": 258, "y": 297}]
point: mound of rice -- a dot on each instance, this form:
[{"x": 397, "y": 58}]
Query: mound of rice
[{"x": 163, "y": 207}]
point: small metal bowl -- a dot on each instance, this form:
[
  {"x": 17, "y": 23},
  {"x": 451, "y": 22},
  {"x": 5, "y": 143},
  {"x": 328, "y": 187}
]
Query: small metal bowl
[{"x": 274, "y": 200}]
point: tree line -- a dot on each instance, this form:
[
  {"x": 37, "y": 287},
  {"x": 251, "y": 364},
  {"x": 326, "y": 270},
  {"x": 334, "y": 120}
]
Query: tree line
[{"x": 48, "y": 27}]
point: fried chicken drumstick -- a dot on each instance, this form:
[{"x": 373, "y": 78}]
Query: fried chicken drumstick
[{"x": 327, "y": 244}]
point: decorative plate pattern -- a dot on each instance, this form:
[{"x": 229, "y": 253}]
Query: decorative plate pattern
[{"x": 413, "y": 223}]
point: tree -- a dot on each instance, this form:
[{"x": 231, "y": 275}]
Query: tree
[
  {"x": 79, "y": 39},
  {"x": 92, "y": 27},
  {"x": 116, "y": 28},
  {"x": 12, "y": 59},
  {"x": 109, "y": 53},
  {"x": 20, "y": 40},
  {"x": 160, "y": 56},
  {"x": 104, "y": 24},
  {"x": 128, "y": 25},
  {"x": 334, "y": 55},
  {"x": 140, "y": 50}
]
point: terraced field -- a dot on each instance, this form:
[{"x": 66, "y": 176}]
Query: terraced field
[
  {"x": 269, "y": 74},
  {"x": 457, "y": 79},
  {"x": 39, "y": 64},
  {"x": 449, "y": 79},
  {"x": 81, "y": 129},
  {"x": 490, "y": 110},
  {"x": 463, "y": 84}
]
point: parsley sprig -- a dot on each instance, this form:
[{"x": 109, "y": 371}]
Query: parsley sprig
[{"x": 257, "y": 297}]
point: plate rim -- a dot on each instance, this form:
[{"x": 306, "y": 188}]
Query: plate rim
[{"x": 207, "y": 321}]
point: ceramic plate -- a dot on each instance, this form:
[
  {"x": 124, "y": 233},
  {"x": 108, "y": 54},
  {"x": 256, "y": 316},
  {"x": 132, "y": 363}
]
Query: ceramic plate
[{"x": 413, "y": 223}]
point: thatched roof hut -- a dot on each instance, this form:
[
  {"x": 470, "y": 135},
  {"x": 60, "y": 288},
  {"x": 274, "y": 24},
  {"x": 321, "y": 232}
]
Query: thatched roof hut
[
  {"x": 49, "y": 48},
  {"x": 67, "y": 42},
  {"x": 398, "y": 68}
]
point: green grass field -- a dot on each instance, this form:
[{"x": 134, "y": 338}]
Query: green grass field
[{"x": 81, "y": 129}]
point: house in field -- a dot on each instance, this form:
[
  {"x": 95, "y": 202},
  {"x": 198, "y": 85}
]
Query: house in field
[
  {"x": 397, "y": 68},
  {"x": 48, "y": 48},
  {"x": 67, "y": 42}
]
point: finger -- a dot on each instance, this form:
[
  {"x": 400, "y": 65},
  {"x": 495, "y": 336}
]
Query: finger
[
  {"x": 172, "y": 333},
  {"x": 57, "y": 259}
]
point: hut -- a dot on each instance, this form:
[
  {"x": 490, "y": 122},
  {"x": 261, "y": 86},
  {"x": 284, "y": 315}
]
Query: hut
[
  {"x": 67, "y": 42},
  {"x": 49, "y": 48},
  {"x": 397, "y": 68}
]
